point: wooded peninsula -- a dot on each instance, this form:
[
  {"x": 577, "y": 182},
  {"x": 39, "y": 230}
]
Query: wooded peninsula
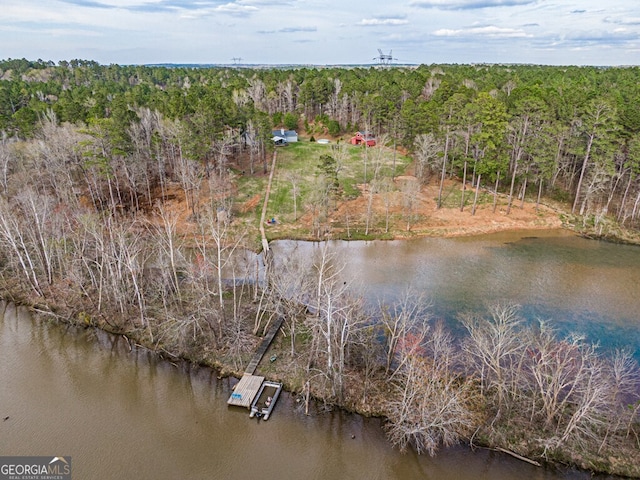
[{"x": 128, "y": 195}]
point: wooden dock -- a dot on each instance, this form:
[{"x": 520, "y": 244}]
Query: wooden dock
[
  {"x": 245, "y": 391},
  {"x": 247, "y": 388},
  {"x": 264, "y": 346}
]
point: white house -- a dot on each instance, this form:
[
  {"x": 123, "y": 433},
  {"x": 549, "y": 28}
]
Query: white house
[{"x": 284, "y": 137}]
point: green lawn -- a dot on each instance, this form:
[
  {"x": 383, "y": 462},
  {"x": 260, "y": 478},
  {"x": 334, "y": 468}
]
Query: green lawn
[
  {"x": 299, "y": 162},
  {"x": 452, "y": 197}
]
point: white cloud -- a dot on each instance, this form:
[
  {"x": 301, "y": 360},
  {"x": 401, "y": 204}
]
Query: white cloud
[
  {"x": 199, "y": 11},
  {"x": 235, "y": 9},
  {"x": 487, "y": 31},
  {"x": 265, "y": 3},
  {"x": 289, "y": 30},
  {"x": 468, "y": 4},
  {"x": 375, "y": 22}
]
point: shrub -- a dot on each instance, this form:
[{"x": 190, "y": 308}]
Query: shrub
[
  {"x": 290, "y": 121},
  {"x": 333, "y": 128}
]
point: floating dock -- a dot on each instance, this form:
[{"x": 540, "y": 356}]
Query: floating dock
[{"x": 246, "y": 390}]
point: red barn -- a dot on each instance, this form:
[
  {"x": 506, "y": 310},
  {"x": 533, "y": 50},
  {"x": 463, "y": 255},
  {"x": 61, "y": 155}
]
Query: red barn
[{"x": 360, "y": 138}]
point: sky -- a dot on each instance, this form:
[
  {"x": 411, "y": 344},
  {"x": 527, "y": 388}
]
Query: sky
[{"x": 323, "y": 32}]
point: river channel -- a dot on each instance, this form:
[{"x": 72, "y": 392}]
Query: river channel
[{"x": 120, "y": 412}]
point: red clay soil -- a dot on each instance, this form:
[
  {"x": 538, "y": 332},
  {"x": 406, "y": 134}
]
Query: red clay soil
[
  {"x": 448, "y": 221},
  {"x": 427, "y": 220}
]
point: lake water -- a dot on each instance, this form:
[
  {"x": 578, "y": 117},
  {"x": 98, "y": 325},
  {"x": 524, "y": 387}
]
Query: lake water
[
  {"x": 120, "y": 412},
  {"x": 579, "y": 285}
]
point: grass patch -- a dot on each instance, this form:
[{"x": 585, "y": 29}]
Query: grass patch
[
  {"x": 299, "y": 163},
  {"x": 350, "y": 188},
  {"x": 452, "y": 197}
]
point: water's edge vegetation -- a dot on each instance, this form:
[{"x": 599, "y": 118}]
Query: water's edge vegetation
[
  {"x": 126, "y": 194},
  {"x": 510, "y": 385}
]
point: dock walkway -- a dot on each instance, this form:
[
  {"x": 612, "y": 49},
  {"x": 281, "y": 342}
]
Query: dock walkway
[
  {"x": 249, "y": 385},
  {"x": 264, "y": 346}
]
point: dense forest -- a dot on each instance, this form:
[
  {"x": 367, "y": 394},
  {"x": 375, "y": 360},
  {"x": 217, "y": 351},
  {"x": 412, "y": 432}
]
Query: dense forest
[
  {"x": 571, "y": 132},
  {"x": 90, "y": 155}
]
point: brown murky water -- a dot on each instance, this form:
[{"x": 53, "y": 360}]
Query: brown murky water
[{"x": 124, "y": 414}]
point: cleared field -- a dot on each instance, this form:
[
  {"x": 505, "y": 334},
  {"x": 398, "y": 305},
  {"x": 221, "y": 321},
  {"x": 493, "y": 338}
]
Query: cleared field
[{"x": 299, "y": 171}]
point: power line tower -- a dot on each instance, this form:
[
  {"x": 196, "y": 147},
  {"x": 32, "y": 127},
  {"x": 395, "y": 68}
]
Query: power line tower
[{"x": 384, "y": 59}]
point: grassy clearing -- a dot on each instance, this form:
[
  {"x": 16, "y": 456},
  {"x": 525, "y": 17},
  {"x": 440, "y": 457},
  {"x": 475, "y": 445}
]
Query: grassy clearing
[
  {"x": 452, "y": 197},
  {"x": 298, "y": 164}
]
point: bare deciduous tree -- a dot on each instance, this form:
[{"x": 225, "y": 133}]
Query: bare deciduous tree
[
  {"x": 496, "y": 348},
  {"x": 286, "y": 293},
  {"x": 338, "y": 316},
  {"x": 6, "y": 158},
  {"x": 427, "y": 151},
  {"x": 598, "y": 127},
  {"x": 433, "y": 407},
  {"x": 14, "y": 240},
  {"x": 410, "y": 191},
  {"x": 170, "y": 254},
  {"x": 406, "y": 326}
]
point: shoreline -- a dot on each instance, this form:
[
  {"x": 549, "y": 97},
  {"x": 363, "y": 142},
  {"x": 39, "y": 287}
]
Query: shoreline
[
  {"x": 289, "y": 411},
  {"x": 226, "y": 369},
  {"x": 223, "y": 370},
  {"x": 552, "y": 220}
]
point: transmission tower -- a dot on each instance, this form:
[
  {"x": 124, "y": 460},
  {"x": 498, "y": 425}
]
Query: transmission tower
[{"x": 384, "y": 59}]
